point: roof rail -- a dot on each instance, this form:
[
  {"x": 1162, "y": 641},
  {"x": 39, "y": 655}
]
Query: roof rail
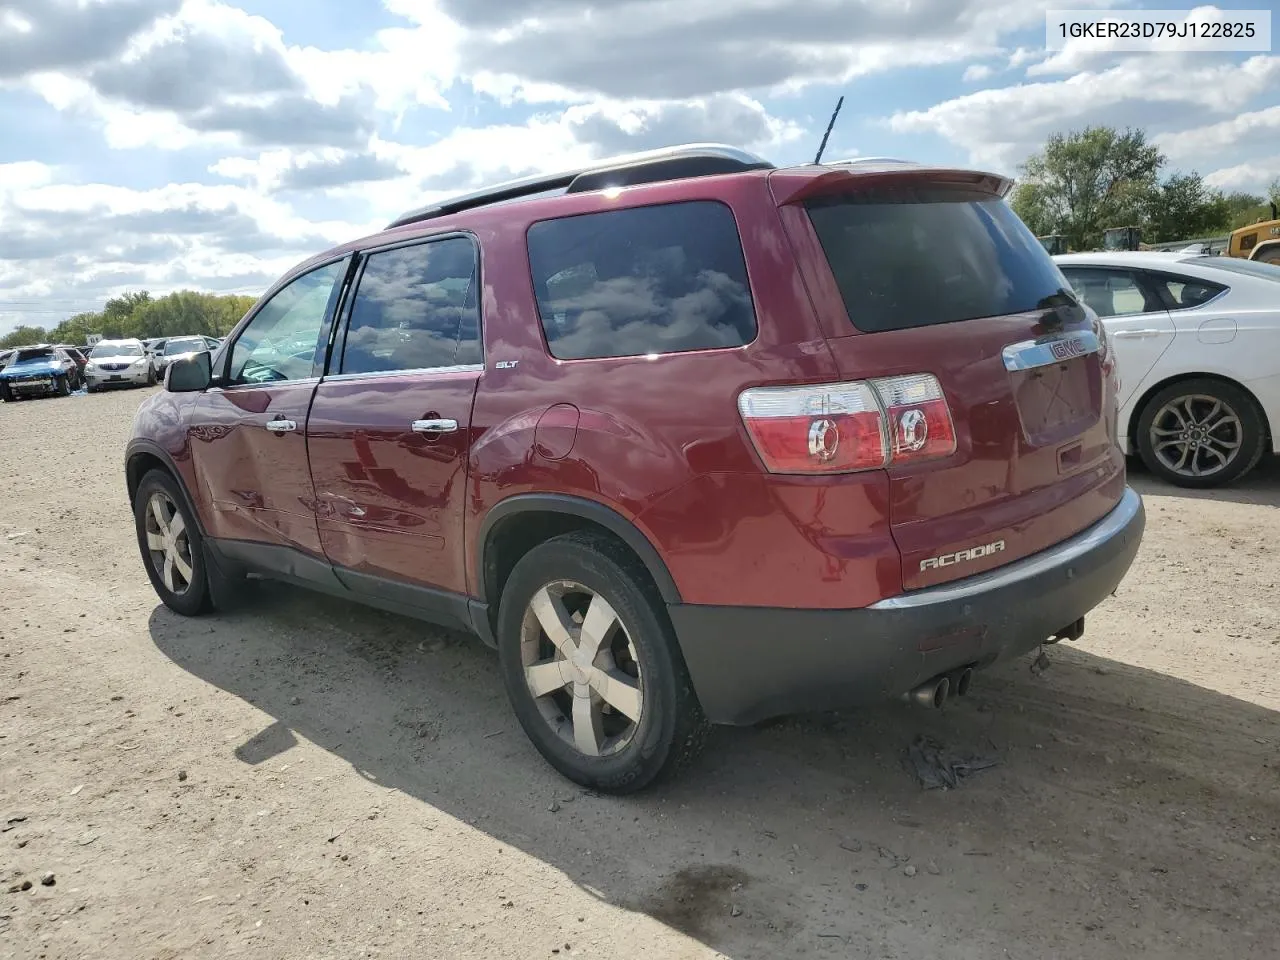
[
  {"x": 854, "y": 160},
  {"x": 650, "y": 166}
]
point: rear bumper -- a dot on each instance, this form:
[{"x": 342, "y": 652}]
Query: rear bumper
[{"x": 751, "y": 663}]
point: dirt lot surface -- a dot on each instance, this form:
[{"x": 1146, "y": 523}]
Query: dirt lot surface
[{"x": 305, "y": 778}]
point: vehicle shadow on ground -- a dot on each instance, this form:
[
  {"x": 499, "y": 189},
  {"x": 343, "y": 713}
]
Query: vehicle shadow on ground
[
  {"x": 1117, "y": 790},
  {"x": 1260, "y": 486}
]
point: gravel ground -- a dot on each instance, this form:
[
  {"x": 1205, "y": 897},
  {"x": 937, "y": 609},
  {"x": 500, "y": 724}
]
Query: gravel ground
[{"x": 305, "y": 778}]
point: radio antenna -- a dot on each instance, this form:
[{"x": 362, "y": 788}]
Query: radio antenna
[{"x": 823, "y": 146}]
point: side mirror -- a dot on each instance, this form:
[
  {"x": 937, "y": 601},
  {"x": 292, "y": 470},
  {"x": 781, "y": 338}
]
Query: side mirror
[{"x": 189, "y": 374}]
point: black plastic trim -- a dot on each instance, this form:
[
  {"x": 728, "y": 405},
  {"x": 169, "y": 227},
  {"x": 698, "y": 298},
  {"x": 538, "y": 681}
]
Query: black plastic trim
[
  {"x": 291, "y": 565},
  {"x": 606, "y": 517},
  {"x": 439, "y": 606}
]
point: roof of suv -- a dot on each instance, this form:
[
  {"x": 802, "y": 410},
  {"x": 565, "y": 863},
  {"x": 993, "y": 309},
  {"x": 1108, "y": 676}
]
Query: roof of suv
[{"x": 655, "y": 169}]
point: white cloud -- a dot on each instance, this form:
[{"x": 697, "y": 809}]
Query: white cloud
[
  {"x": 1201, "y": 144},
  {"x": 1253, "y": 177},
  {"x": 306, "y": 146},
  {"x": 1000, "y": 127}
]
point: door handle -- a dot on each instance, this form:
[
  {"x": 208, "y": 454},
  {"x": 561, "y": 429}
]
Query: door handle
[
  {"x": 281, "y": 425},
  {"x": 1136, "y": 334},
  {"x": 434, "y": 426}
]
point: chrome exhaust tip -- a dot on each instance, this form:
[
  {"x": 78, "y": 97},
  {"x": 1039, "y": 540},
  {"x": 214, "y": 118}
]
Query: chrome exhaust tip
[
  {"x": 931, "y": 693},
  {"x": 960, "y": 681}
]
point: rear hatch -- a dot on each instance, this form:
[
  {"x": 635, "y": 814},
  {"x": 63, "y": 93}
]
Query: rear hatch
[{"x": 929, "y": 272}]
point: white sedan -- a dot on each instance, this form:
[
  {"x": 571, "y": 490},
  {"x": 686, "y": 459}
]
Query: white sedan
[{"x": 1197, "y": 344}]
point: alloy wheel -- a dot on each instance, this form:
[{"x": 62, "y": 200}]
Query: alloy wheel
[
  {"x": 581, "y": 668},
  {"x": 168, "y": 543},
  {"x": 1196, "y": 435}
]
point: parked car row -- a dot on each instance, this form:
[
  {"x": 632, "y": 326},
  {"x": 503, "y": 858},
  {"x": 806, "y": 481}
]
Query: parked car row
[{"x": 49, "y": 370}]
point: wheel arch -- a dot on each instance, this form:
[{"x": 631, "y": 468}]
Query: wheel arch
[
  {"x": 1136, "y": 413},
  {"x": 516, "y": 525},
  {"x": 143, "y": 456}
]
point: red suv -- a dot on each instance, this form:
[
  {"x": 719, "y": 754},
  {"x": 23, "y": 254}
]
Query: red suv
[{"x": 686, "y": 437}]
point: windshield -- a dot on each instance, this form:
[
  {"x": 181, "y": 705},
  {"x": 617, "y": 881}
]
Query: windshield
[
  {"x": 116, "y": 350},
  {"x": 1250, "y": 268},
  {"x": 184, "y": 346},
  {"x": 916, "y": 256},
  {"x": 40, "y": 353}
]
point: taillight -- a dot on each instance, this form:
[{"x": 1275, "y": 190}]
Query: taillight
[
  {"x": 828, "y": 428},
  {"x": 920, "y": 426},
  {"x": 845, "y": 427}
]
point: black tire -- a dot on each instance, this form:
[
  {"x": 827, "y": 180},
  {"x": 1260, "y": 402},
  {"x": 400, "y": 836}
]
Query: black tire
[
  {"x": 6, "y": 395},
  {"x": 1251, "y": 434},
  {"x": 671, "y": 729},
  {"x": 196, "y": 598},
  {"x": 62, "y": 385}
]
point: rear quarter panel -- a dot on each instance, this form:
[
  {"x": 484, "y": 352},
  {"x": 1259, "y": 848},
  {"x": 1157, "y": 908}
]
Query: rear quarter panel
[{"x": 660, "y": 440}]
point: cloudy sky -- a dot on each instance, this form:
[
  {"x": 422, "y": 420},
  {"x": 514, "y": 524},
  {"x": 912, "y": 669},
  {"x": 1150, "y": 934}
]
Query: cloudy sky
[{"x": 207, "y": 144}]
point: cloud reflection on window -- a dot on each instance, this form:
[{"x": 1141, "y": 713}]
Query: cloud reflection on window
[{"x": 661, "y": 279}]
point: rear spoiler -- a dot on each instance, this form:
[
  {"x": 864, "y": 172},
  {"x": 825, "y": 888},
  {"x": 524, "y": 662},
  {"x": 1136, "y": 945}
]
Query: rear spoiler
[{"x": 798, "y": 184}]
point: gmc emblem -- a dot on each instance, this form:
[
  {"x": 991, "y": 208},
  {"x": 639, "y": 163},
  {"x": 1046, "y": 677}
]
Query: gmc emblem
[
  {"x": 962, "y": 556},
  {"x": 1066, "y": 349}
]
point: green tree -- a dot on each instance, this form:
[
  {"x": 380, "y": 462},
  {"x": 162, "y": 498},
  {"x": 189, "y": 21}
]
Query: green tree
[
  {"x": 139, "y": 314},
  {"x": 1273, "y": 191},
  {"x": 117, "y": 315},
  {"x": 1085, "y": 181},
  {"x": 1244, "y": 209},
  {"x": 23, "y": 336},
  {"x": 75, "y": 330},
  {"x": 1183, "y": 208}
]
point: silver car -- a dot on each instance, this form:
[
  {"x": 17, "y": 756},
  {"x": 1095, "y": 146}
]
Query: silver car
[
  {"x": 176, "y": 347},
  {"x": 119, "y": 363}
]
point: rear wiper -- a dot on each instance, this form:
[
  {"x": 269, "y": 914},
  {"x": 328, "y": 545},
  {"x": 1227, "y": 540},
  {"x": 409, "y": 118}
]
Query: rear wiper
[
  {"x": 1059, "y": 307},
  {"x": 1062, "y": 297}
]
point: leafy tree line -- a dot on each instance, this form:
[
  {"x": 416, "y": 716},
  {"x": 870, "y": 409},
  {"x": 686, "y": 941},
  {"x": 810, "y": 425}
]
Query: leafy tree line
[
  {"x": 1086, "y": 181},
  {"x": 138, "y": 314}
]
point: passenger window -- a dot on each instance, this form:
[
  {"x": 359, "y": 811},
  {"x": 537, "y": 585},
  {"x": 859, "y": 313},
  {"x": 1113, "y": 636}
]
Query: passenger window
[
  {"x": 416, "y": 308},
  {"x": 1186, "y": 292},
  {"x": 660, "y": 279},
  {"x": 1111, "y": 293},
  {"x": 285, "y": 337}
]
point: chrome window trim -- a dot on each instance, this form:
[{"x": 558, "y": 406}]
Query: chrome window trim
[
  {"x": 417, "y": 371},
  {"x": 231, "y": 387}
]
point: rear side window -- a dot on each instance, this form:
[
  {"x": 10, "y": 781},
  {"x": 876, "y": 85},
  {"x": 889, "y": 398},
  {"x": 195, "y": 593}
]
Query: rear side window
[
  {"x": 416, "y": 308},
  {"x": 660, "y": 279},
  {"x": 1112, "y": 293},
  {"x": 1186, "y": 292},
  {"x": 915, "y": 256}
]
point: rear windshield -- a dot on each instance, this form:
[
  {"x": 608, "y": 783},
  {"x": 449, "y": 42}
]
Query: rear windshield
[
  {"x": 185, "y": 346},
  {"x": 108, "y": 349},
  {"x": 40, "y": 353},
  {"x": 922, "y": 255},
  {"x": 1250, "y": 268}
]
